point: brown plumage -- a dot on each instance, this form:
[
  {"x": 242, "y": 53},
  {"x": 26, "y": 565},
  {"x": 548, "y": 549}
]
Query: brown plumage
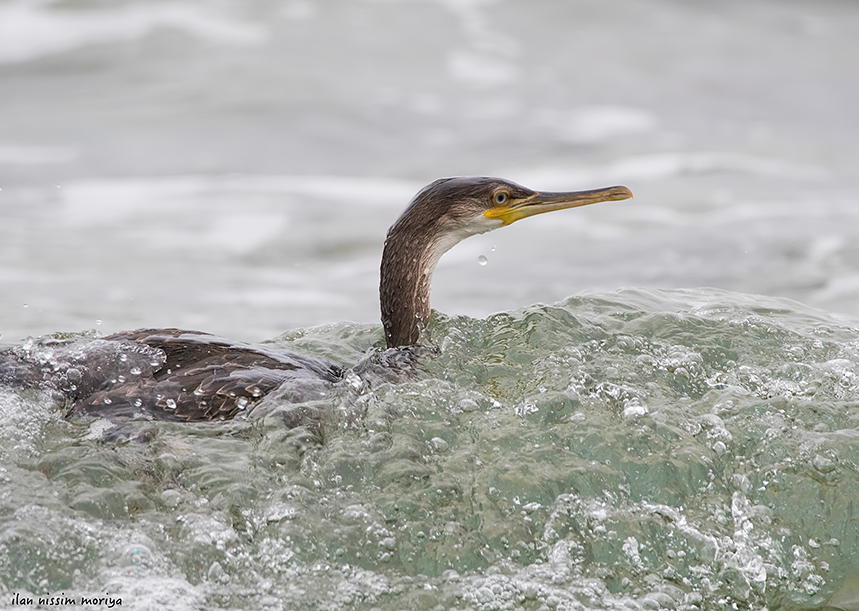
[
  {"x": 188, "y": 375},
  {"x": 202, "y": 377}
]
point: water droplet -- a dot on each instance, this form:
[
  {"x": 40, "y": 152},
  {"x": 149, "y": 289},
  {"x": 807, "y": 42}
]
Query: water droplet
[
  {"x": 107, "y": 401},
  {"x": 171, "y": 404},
  {"x": 255, "y": 391},
  {"x": 26, "y": 305},
  {"x": 439, "y": 444},
  {"x": 482, "y": 260},
  {"x": 493, "y": 248},
  {"x": 123, "y": 357},
  {"x": 136, "y": 371},
  {"x": 823, "y": 463},
  {"x": 97, "y": 322},
  {"x": 468, "y": 405},
  {"x": 171, "y": 498},
  {"x": 138, "y": 402},
  {"x": 242, "y": 402}
]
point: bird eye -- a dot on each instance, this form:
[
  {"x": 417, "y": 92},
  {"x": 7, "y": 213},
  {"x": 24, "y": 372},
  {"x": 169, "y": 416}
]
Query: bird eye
[{"x": 500, "y": 198}]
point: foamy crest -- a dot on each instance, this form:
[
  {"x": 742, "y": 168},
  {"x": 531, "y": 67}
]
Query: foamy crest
[{"x": 29, "y": 30}]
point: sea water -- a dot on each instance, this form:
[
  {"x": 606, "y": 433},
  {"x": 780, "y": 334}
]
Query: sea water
[
  {"x": 232, "y": 167},
  {"x": 637, "y": 449}
]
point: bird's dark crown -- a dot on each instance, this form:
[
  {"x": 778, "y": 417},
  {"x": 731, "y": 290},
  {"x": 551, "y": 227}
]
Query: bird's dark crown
[
  {"x": 443, "y": 213},
  {"x": 458, "y": 200}
]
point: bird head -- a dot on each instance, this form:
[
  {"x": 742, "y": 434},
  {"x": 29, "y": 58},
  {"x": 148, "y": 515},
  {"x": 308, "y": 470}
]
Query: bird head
[
  {"x": 442, "y": 214},
  {"x": 453, "y": 209}
]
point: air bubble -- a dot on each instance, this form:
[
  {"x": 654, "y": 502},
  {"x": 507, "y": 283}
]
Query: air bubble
[
  {"x": 242, "y": 402},
  {"x": 823, "y": 464},
  {"x": 171, "y": 404},
  {"x": 136, "y": 371},
  {"x": 468, "y": 405},
  {"x": 439, "y": 444},
  {"x": 482, "y": 260},
  {"x": 171, "y": 498}
]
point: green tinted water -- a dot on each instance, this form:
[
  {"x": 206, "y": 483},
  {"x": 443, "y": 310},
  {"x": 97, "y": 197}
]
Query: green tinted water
[{"x": 638, "y": 449}]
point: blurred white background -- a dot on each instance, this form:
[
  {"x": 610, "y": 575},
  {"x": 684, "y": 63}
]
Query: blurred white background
[{"x": 233, "y": 166}]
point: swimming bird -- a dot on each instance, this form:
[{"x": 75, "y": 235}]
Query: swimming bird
[{"x": 175, "y": 374}]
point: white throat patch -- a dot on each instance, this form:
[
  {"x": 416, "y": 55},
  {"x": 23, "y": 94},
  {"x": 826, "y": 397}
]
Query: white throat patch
[{"x": 450, "y": 239}]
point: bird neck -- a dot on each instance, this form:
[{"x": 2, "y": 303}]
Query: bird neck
[{"x": 408, "y": 262}]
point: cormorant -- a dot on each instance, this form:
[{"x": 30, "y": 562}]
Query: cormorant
[{"x": 182, "y": 375}]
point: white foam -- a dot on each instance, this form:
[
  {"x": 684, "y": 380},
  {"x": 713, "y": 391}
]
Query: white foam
[
  {"x": 245, "y": 232},
  {"x": 592, "y": 124},
  {"x": 353, "y": 189},
  {"x": 98, "y": 428},
  {"x": 31, "y": 29},
  {"x": 842, "y": 286},
  {"x": 24, "y": 154},
  {"x": 481, "y": 69},
  {"x": 666, "y": 165},
  {"x": 108, "y": 201},
  {"x": 22, "y": 424},
  {"x": 153, "y": 591}
]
